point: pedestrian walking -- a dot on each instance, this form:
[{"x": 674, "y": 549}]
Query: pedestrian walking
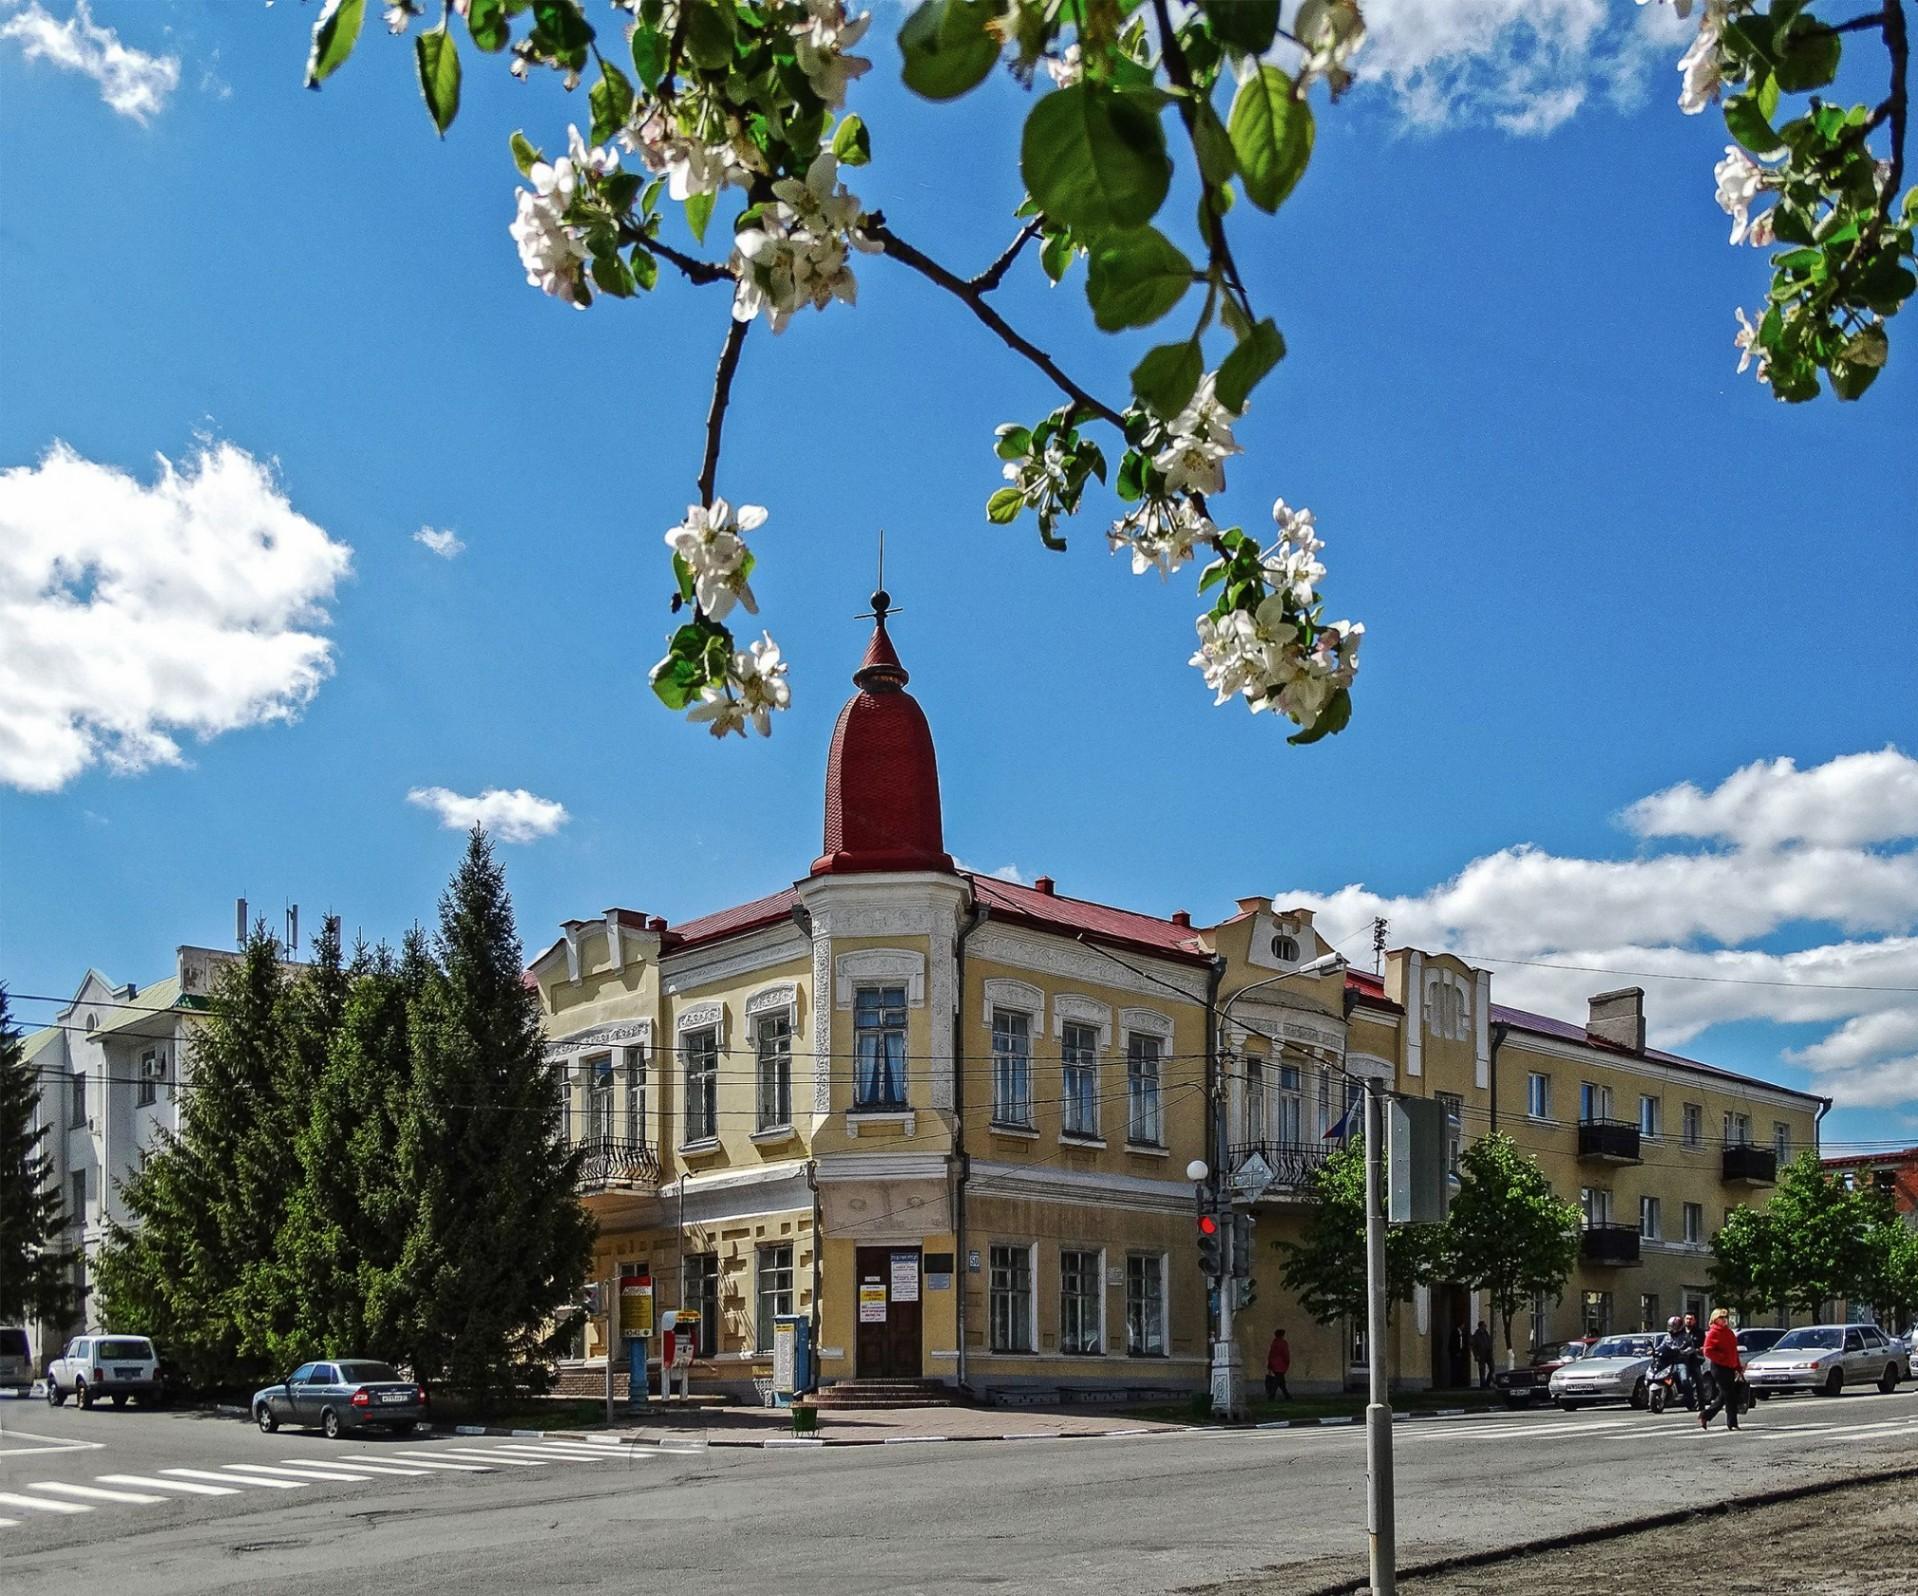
[
  {"x": 1721, "y": 1352},
  {"x": 1694, "y": 1364},
  {"x": 1482, "y": 1351},
  {"x": 1278, "y": 1364}
]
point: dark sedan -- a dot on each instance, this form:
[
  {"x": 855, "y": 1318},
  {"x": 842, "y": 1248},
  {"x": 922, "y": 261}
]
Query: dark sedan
[
  {"x": 1520, "y": 1387},
  {"x": 352, "y": 1394}
]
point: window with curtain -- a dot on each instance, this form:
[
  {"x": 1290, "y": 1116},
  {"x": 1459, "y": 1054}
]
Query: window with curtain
[
  {"x": 773, "y": 1040},
  {"x": 879, "y": 1047},
  {"x": 1011, "y": 1068},
  {"x": 1144, "y": 1122},
  {"x": 1079, "y": 1053}
]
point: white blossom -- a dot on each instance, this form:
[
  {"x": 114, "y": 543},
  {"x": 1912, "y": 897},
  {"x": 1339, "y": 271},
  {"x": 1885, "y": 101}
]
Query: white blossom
[
  {"x": 796, "y": 254},
  {"x": 1740, "y": 180},
  {"x": 1039, "y": 478},
  {"x": 1066, "y": 68},
  {"x": 1699, "y": 66},
  {"x": 712, "y": 544},
  {"x": 1260, "y": 656},
  {"x": 1293, "y": 562},
  {"x": 1198, "y": 440},
  {"x": 551, "y": 250},
  {"x": 397, "y": 15},
  {"x": 755, "y": 686},
  {"x": 1161, "y": 533},
  {"x": 1330, "y": 32},
  {"x": 820, "y": 43},
  {"x": 1747, "y": 344}
]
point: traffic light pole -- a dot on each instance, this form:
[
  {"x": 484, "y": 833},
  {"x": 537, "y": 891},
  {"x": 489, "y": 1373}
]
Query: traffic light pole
[{"x": 1379, "y": 1515}]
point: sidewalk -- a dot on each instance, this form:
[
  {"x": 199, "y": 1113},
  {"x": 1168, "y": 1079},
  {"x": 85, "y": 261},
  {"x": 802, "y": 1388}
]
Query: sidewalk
[{"x": 743, "y": 1426}]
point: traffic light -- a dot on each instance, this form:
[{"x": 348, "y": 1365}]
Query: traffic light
[
  {"x": 1242, "y": 1224},
  {"x": 594, "y": 1307},
  {"x": 1211, "y": 1243}
]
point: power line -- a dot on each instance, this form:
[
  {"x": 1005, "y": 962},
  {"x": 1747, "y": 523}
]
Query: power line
[{"x": 1667, "y": 975}]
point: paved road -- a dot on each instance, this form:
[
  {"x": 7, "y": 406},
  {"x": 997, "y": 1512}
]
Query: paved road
[{"x": 1151, "y": 1513}]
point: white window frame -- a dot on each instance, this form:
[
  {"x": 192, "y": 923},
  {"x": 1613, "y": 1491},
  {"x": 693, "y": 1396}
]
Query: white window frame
[
  {"x": 1097, "y": 1331},
  {"x": 1145, "y": 1090},
  {"x": 1538, "y": 1095},
  {"x": 1692, "y": 1218},
  {"x": 994, "y": 1295},
  {"x": 705, "y": 1126},
  {"x": 1290, "y": 1082},
  {"x": 1650, "y": 1116},
  {"x": 1649, "y": 1218},
  {"x": 1781, "y": 1142},
  {"x": 1012, "y": 1067},
  {"x": 772, "y": 1068},
  {"x": 599, "y": 1079},
  {"x": 763, "y": 1320},
  {"x": 1594, "y": 1102},
  {"x": 862, "y": 1104},
  {"x": 1738, "y": 1129},
  {"x": 1692, "y": 1126},
  {"x": 1154, "y": 1272},
  {"x": 1072, "y": 1062}
]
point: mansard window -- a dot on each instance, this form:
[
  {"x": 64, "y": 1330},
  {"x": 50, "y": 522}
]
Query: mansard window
[
  {"x": 1079, "y": 1053},
  {"x": 879, "y": 1042},
  {"x": 773, "y": 1040},
  {"x": 1011, "y": 1068},
  {"x": 599, "y": 1098},
  {"x": 636, "y": 1094},
  {"x": 1144, "y": 1122},
  {"x": 700, "y": 1051}
]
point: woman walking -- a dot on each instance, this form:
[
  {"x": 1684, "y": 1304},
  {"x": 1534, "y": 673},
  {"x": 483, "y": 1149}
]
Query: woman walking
[{"x": 1721, "y": 1354}]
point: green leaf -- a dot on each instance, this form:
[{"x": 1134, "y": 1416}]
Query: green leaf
[
  {"x": 1212, "y": 575},
  {"x": 699, "y": 211},
  {"x": 1333, "y": 718},
  {"x": 1014, "y": 445},
  {"x": 1748, "y": 124},
  {"x": 1135, "y": 277},
  {"x": 645, "y": 269},
  {"x": 1218, "y": 161},
  {"x": 613, "y": 275},
  {"x": 1055, "y": 255},
  {"x": 334, "y": 35},
  {"x": 1272, "y": 133},
  {"x": 526, "y": 154},
  {"x": 709, "y": 36},
  {"x": 486, "y": 21},
  {"x": 1241, "y": 371},
  {"x": 611, "y": 101},
  {"x": 948, "y": 47},
  {"x": 1131, "y": 484},
  {"x": 1810, "y": 62},
  {"x": 439, "y": 62},
  {"x": 1167, "y": 378},
  {"x": 1251, "y": 25},
  {"x": 851, "y": 143},
  {"x": 650, "y": 53},
  {"x": 1004, "y": 506},
  {"x": 1095, "y": 157}
]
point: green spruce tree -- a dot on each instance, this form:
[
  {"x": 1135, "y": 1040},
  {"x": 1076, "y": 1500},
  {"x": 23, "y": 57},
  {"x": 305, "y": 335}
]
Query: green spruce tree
[
  {"x": 499, "y": 1241},
  {"x": 35, "y": 1267}
]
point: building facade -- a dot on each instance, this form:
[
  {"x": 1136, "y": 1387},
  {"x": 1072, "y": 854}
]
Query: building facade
[{"x": 949, "y": 1118}]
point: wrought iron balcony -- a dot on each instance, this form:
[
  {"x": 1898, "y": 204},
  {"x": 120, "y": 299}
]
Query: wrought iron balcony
[
  {"x": 1612, "y": 1245},
  {"x": 1292, "y": 1163},
  {"x": 1746, "y": 1165},
  {"x": 615, "y": 1163},
  {"x": 1608, "y": 1141}
]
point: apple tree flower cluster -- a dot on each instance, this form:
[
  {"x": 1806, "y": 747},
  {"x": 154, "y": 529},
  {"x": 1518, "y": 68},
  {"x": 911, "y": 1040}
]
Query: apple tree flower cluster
[{"x": 1844, "y": 229}]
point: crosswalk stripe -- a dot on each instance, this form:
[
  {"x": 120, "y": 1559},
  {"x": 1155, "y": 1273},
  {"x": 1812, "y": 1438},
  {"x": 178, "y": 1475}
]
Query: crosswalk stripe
[
  {"x": 168, "y": 1485},
  {"x": 230, "y": 1480},
  {"x": 552, "y": 1452},
  {"x": 8, "y": 1523},
  {"x": 91, "y": 1493},
  {"x": 426, "y": 1461},
  {"x": 495, "y": 1457},
  {"x": 353, "y": 1463},
  {"x": 309, "y": 1473},
  {"x": 588, "y": 1448},
  {"x": 46, "y": 1504}
]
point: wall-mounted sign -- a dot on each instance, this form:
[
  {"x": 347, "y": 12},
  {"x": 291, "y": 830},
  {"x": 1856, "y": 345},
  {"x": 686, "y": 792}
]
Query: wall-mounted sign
[
  {"x": 872, "y": 1302},
  {"x": 972, "y": 1261},
  {"x": 938, "y": 1282},
  {"x": 905, "y": 1277}
]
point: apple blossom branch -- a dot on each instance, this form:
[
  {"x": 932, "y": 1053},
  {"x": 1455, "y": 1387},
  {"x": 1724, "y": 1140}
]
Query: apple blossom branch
[{"x": 716, "y": 413}]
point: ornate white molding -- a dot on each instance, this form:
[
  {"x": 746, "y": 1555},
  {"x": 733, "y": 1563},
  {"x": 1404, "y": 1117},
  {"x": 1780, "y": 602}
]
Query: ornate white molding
[
  {"x": 1074, "y": 962},
  {"x": 1482, "y": 1029},
  {"x": 1071, "y": 1008},
  {"x": 612, "y": 1034},
  {"x": 572, "y": 930},
  {"x": 821, "y": 1018},
  {"x": 615, "y": 948},
  {"x": 880, "y": 964},
  {"x": 1415, "y": 1011},
  {"x": 1369, "y": 1066},
  {"x": 773, "y": 946},
  {"x": 780, "y": 995},
  {"x": 945, "y": 1007},
  {"x": 697, "y": 1016},
  {"x": 1148, "y": 1022},
  {"x": 1020, "y": 996}
]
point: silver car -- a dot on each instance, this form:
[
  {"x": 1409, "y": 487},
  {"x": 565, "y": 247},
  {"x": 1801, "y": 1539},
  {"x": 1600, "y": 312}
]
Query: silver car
[
  {"x": 1617, "y": 1369},
  {"x": 350, "y": 1394},
  {"x": 1826, "y": 1358}
]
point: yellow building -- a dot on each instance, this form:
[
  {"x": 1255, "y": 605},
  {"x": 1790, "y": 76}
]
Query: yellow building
[{"x": 949, "y": 1118}]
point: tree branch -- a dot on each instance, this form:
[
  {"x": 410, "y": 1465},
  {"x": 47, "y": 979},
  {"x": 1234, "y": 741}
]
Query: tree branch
[
  {"x": 995, "y": 274},
  {"x": 874, "y": 226},
  {"x": 1179, "y": 70},
  {"x": 691, "y": 266},
  {"x": 1896, "y": 102},
  {"x": 716, "y": 415}
]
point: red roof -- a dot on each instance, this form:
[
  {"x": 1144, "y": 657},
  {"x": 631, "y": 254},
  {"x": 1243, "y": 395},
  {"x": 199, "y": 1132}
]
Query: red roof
[
  {"x": 1148, "y": 932},
  {"x": 1369, "y": 989},
  {"x": 1896, "y": 1155},
  {"x": 731, "y": 922}
]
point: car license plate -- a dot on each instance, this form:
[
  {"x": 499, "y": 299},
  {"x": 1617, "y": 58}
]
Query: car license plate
[
  {"x": 395, "y": 1396},
  {"x": 126, "y": 1374}
]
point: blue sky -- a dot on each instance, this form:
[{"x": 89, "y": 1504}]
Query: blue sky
[{"x": 1593, "y": 562}]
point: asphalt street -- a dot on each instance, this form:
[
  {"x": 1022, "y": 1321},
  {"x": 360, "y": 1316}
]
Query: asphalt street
[{"x": 167, "y": 1502}]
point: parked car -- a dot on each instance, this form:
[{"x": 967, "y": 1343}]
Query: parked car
[
  {"x": 16, "y": 1359},
  {"x": 1617, "y": 1369},
  {"x": 1825, "y": 1358},
  {"x": 1754, "y": 1339},
  {"x": 351, "y": 1394},
  {"x": 93, "y": 1367},
  {"x": 1522, "y": 1386}
]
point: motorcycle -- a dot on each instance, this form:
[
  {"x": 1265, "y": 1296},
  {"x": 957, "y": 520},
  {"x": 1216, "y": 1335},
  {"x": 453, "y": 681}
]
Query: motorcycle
[{"x": 1670, "y": 1387}]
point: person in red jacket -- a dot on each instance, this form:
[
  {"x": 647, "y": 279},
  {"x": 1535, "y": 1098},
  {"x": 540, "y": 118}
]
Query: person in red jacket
[
  {"x": 1721, "y": 1357},
  {"x": 1278, "y": 1364}
]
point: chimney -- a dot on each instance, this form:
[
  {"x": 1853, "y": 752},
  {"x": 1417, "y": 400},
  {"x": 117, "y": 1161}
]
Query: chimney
[
  {"x": 1046, "y": 885},
  {"x": 239, "y": 922},
  {"x": 656, "y": 923},
  {"x": 1182, "y": 918},
  {"x": 293, "y": 931},
  {"x": 1619, "y": 1017}
]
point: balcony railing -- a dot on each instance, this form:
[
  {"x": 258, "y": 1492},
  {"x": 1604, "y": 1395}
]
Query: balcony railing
[
  {"x": 1748, "y": 1165},
  {"x": 1611, "y": 1141},
  {"x": 614, "y": 1163},
  {"x": 1292, "y": 1163},
  {"x": 1614, "y": 1245}
]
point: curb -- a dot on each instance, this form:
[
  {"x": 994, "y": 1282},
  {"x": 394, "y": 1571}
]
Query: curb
[
  {"x": 813, "y": 1442},
  {"x": 1630, "y": 1526}
]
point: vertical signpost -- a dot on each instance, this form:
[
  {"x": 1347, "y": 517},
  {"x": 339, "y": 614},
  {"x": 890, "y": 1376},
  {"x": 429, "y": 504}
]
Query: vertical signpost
[{"x": 636, "y": 1324}]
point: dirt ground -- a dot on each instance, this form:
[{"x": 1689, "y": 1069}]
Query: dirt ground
[{"x": 1861, "y": 1542}]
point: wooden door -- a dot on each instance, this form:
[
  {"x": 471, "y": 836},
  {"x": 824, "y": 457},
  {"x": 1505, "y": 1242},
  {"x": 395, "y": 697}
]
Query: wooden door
[{"x": 887, "y": 1287}]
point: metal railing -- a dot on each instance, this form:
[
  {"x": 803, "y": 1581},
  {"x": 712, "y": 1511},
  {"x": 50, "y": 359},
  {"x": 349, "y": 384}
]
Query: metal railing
[
  {"x": 1757, "y": 1166},
  {"x": 1614, "y": 1140},
  {"x": 1609, "y": 1244},
  {"x": 1293, "y": 1164},
  {"x": 616, "y": 1162}
]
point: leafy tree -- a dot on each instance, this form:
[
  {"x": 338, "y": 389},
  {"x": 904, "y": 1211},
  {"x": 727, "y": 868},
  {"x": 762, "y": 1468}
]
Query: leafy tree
[
  {"x": 498, "y": 1240},
  {"x": 1325, "y": 1268},
  {"x": 35, "y": 1278},
  {"x": 1890, "y": 1277},
  {"x": 690, "y": 101},
  {"x": 1748, "y": 1269},
  {"x": 1820, "y": 1231},
  {"x": 1508, "y": 1234}
]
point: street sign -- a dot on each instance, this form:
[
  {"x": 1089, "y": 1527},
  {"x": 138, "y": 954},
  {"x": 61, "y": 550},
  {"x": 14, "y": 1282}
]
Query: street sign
[
  {"x": 872, "y": 1302},
  {"x": 1252, "y": 1178},
  {"x": 636, "y": 1305}
]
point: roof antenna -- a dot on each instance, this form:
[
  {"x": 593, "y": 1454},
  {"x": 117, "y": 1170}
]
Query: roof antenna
[{"x": 882, "y": 605}]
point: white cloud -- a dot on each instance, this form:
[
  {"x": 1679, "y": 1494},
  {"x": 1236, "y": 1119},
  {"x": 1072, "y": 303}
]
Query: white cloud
[
  {"x": 1715, "y": 934},
  {"x": 446, "y": 544},
  {"x": 131, "y": 612},
  {"x": 1526, "y": 66},
  {"x": 516, "y": 816},
  {"x": 1005, "y": 872},
  {"x": 132, "y": 82}
]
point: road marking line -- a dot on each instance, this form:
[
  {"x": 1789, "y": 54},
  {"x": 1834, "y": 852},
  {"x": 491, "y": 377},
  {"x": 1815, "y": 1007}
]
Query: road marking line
[
  {"x": 494, "y": 1457},
  {"x": 353, "y": 1463},
  {"x": 422, "y": 1461},
  {"x": 8, "y": 1523},
  {"x": 572, "y": 1453},
  {"x": 168, "y": 1485},
  {"x": 233, "y": 1479},
  {"x": 45, "y": 1504},
  {"x": 298, "y": 1474},
  {"x": 48, "y": 1444},
  {"x": 91, "y": 1493}
]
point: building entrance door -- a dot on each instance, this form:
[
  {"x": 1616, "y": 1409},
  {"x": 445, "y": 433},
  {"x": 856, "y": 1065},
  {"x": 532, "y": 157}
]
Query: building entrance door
[
  {"x": 887, "y": 1285},
  {"x": 1451, "y": 1336}
]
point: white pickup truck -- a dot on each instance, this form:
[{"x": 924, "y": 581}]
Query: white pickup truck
[{"x": 105, "y": 1366}]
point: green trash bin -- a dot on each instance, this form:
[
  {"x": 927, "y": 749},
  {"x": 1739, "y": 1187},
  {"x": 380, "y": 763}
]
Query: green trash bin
[{"x": 805, "y": 1420}]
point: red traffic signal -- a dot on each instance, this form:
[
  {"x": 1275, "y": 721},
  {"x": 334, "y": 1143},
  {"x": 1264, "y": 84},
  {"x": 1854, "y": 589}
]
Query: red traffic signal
[
  {"x": 1211, "y": 1247},
  {"x": 1208, "y": 1225}
]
